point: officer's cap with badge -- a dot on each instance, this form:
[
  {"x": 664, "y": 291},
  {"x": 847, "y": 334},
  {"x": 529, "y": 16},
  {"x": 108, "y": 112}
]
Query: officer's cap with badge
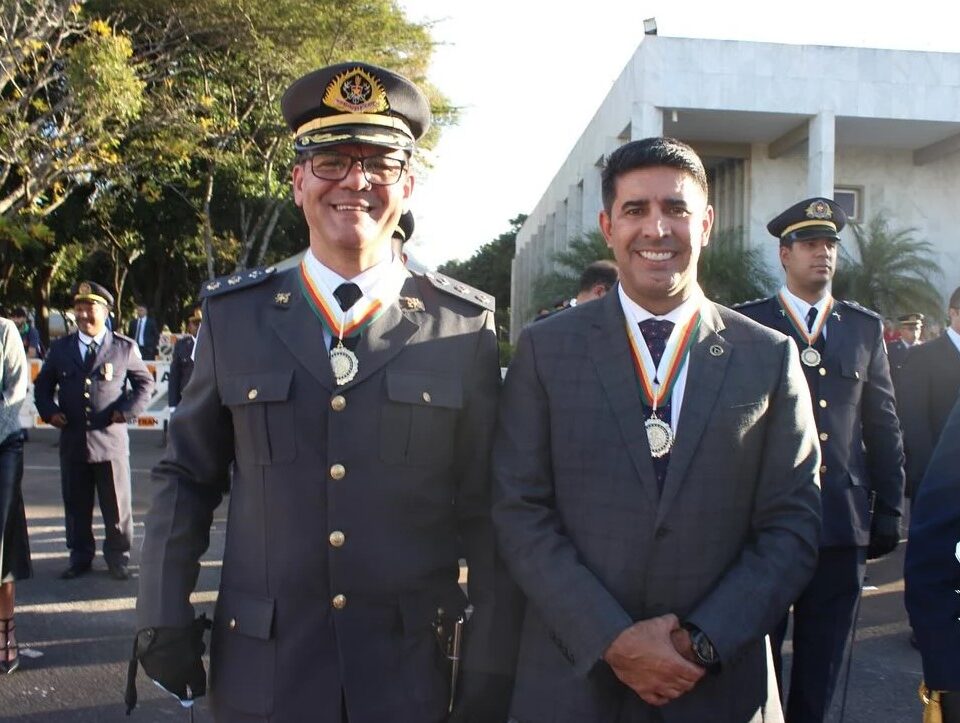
[
  {"x": 92, "y": 292},
  {"x": 809, "y": 219},
  {"x": 908, "y": 320},
  {"x": 355, "y": 103}
]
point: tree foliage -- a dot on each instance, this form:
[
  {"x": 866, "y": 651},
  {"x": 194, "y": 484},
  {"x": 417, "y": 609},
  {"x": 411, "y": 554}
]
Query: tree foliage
[
  {"x": 730, "y": 272},
  {"x": 891, "y": 272},
  {"x": 562, "y": 284}
]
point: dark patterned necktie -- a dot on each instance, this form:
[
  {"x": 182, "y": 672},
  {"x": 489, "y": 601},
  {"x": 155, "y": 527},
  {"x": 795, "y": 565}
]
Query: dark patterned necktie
[
  {"x": 655, "y": 333},
  {"x": 347, "y": 295},
  {"x": 811, "y": 318},
  {"x": 91, "y": 356}
]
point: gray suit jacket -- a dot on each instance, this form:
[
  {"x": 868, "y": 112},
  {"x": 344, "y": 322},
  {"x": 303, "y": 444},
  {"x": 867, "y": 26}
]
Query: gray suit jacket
[
  {"x": 349, "y": 506},
  {"x": 728, "y": 545}
]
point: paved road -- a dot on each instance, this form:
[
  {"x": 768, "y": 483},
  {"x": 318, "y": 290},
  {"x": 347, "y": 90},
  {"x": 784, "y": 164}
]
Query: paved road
[{"x": 81, "y": 630}]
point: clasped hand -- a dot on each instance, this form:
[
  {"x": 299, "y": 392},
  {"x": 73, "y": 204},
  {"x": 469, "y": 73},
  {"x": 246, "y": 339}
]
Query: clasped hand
[{"x": 647, "y": 657}]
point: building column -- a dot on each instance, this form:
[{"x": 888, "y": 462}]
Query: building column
[
  {"x": 821, "y": 154},
  {"x": 646, "y": 121}
]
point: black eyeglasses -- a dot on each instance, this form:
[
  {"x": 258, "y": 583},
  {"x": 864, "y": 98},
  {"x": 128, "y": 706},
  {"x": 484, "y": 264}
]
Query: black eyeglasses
[{"x": 378, "y": 170}]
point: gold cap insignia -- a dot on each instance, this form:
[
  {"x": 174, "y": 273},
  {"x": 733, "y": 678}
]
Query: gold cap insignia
[
  {"x": 819, "y": 209},
  {"x": 282, "y": 298},
  {"x": 84, "y": 288},
  {"x": 356, "y": 91},
  {"x": 411, "y": 303}
]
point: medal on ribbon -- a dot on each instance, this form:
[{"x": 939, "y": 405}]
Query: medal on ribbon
[
  {"x": 809, "y": 355},
  {"x": 346, "y": 324},
  {"x": 657, "y": 382}
]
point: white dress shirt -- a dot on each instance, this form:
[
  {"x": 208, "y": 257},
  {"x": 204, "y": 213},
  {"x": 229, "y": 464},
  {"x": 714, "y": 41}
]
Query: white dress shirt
[{"x": 802, "y": 308}]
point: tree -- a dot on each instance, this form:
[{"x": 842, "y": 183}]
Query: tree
[
  {"x": 891, "y": 271},
  {"x": 555, "y": 285},
  {"x": 730, "y": 273},
  {"x": 489, "y": 270}
]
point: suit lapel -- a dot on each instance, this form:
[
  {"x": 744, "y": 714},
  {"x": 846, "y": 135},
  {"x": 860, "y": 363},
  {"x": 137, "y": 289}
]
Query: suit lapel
[
  {"x": 706, "y": 369},
  {"x": 104, "y": 351},
  {"x": 609, "y": 350},
  {"x": 386, "y": 336},
  {"x": 301, "y": 331}
]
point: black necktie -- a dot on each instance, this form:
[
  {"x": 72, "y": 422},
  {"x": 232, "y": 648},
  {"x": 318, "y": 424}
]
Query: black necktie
[
  {"x": 347, "y": 295},
  {"x": 811, "y": 317},
  {"x": 91, "y": 356},
  {"x": 655, "y": 333}
]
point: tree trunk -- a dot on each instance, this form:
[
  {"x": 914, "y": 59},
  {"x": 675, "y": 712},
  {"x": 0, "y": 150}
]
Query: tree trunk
[
  {"x": 268, "y": 232},
  {"x": 208, "y": 224}
]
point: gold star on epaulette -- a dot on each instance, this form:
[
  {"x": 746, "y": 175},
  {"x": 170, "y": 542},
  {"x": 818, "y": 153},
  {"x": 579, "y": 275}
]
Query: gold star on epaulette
[
  {"x": 411, "y": 303},
  {"x": 233, "y": 280},
  {"x": 213, "y": 286}
]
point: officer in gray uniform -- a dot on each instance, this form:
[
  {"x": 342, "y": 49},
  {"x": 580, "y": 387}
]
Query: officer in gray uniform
[
  {"x": 357, "y": 403},
  {"x": 91, "y": 383}
]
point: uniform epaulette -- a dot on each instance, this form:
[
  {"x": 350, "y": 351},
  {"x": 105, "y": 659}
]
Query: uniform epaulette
[
  {"x": 752, "y": 302},
  {"x": 239, "y": 280},
  {"x": 862, "y": 309},
  {"x": 461, "y": 290}
]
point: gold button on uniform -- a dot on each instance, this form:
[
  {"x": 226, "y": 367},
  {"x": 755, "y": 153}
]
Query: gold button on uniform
[
  {"x": 338, "y": 471},
  {"x": 337, "y": 538},
  {"x": 823, "y": 469},
  {"x": 339, "y": 601},
  {"x": 233, "y": 623},
  {"x": 86, "y": 395},
  {"x": 823, "y": 404},
  {"x": 823, "y": 372},
  {"x": 338, "y": 403},
  {"x": 427, "y": 398},
  {"x": 252, "y": 394},
  {"x": 824, "y": 436}
]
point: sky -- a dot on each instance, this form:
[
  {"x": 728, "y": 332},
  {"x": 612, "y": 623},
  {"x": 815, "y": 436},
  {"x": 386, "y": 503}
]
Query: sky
[{"x": 529, "y": 76}]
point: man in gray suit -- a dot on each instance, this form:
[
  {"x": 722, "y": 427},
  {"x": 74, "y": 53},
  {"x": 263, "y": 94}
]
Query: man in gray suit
[
  {"x": 356, "y": 403},
  {"x": 656, "y": 478}
]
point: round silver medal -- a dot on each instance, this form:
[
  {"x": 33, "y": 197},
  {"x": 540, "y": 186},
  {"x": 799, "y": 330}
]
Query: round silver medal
[
  {"x": 344, "y": 363},
  {"x": 810, "y": 357},
  {"x": 659, "y": 436}
]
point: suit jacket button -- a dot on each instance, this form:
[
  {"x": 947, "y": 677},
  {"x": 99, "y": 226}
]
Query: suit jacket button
[
  {"x": 252, "y": 394},
  {"x": 823, "y": 404},
  {"x": 338, "y": 471},
  {"x": 824, "y": 436},
  {"x": 338, "y": 403},
  {"x": 339, "y": 602},
  {"x": 426, "y": 397},
  {"x": 337, "y": 538}
]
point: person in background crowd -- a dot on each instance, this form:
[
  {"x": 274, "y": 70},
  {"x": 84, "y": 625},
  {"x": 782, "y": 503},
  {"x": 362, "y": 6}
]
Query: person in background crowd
[
  {"x": 932, "y": 575},
  {"x": 14, "y": 543},
  {"x": 145, "y": 332},
  {"x": 28, "y": 333},
  {"x": 595, "y": 281},
  {"x": 659, "y": 529},
  {"x": 356, "y": 402},
  {"x": 845, "y": 363},
  {"x": 401, "y": 234},
  {"x": 181, "y": 362},
  {"x": 890, "y": 333},
  {"x": 927, "y": 387},
  {"x": 81, "y": 390},
  {"x": 910, "y": 327}
]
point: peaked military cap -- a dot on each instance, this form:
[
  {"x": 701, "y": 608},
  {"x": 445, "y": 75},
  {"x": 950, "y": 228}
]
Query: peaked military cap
[
  {"x": 915, "y": 319},
  {"x": 355, "y": 103},
  {"x": 93, "y": 292},
  {"x": 405, "y": 225},
  {"x": 812, "y": 218}
]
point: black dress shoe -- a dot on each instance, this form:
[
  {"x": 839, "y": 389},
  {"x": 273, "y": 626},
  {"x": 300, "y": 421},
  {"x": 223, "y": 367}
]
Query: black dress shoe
[
  {"x": 74, "y": 571},
  {"x": 119, "y": 572}
]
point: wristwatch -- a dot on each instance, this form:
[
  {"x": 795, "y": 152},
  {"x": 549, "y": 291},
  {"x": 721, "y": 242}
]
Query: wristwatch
[{"x": 703, "y": 649}]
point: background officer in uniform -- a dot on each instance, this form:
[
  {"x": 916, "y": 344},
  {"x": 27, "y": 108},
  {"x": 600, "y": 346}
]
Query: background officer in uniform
[
  {"x": 910, "y": 326},
  {"x": 358, "y": 403},
  {"x": 181, "y": 362},
  {"x": 928, "y": 386},
  {"x": 932, "y": 571},
  {"x": 82, "y": 390},
  {"x": 844, "y": 359}
]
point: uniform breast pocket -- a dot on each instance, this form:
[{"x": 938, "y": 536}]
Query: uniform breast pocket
[
  {"x": 263, "y": 418},
  {"x": 849, "y": 385},
  {"x": 419, "y": 418}
]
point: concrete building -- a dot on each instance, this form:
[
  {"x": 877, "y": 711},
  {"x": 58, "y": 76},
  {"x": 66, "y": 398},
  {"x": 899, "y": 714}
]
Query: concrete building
[{"x": 879, "y": 130}]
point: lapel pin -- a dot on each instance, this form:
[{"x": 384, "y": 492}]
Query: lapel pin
[
  {"x": 836, "y": 314},
  {"x": 282, "y": 298},
  {"x": 716, "y": 350},
  {"x": 411, "y": 303}
]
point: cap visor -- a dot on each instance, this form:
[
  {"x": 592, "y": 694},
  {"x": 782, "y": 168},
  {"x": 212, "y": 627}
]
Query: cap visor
[
  {"x": 337, "y": 135},
  {"x": 811, "y": 232}
]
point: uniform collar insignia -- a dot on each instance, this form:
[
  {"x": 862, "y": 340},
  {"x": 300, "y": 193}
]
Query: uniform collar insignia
[
  {"x": 282, "y": 298},
  {"x": 819, "y": 209},
  {"x": 356, "y": 91},
  {"x": 411, "y": 303}
]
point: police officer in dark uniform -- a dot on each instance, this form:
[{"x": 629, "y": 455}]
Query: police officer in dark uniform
[
  {"x": 910, "y": 327},
  {"x": 932, "y": 573},
  {"x": 181, "y": 362},
  {"x": 356, "y": 402},
  {"x": 841, "y": 346},
  {"x": 91, "y": 384}
]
